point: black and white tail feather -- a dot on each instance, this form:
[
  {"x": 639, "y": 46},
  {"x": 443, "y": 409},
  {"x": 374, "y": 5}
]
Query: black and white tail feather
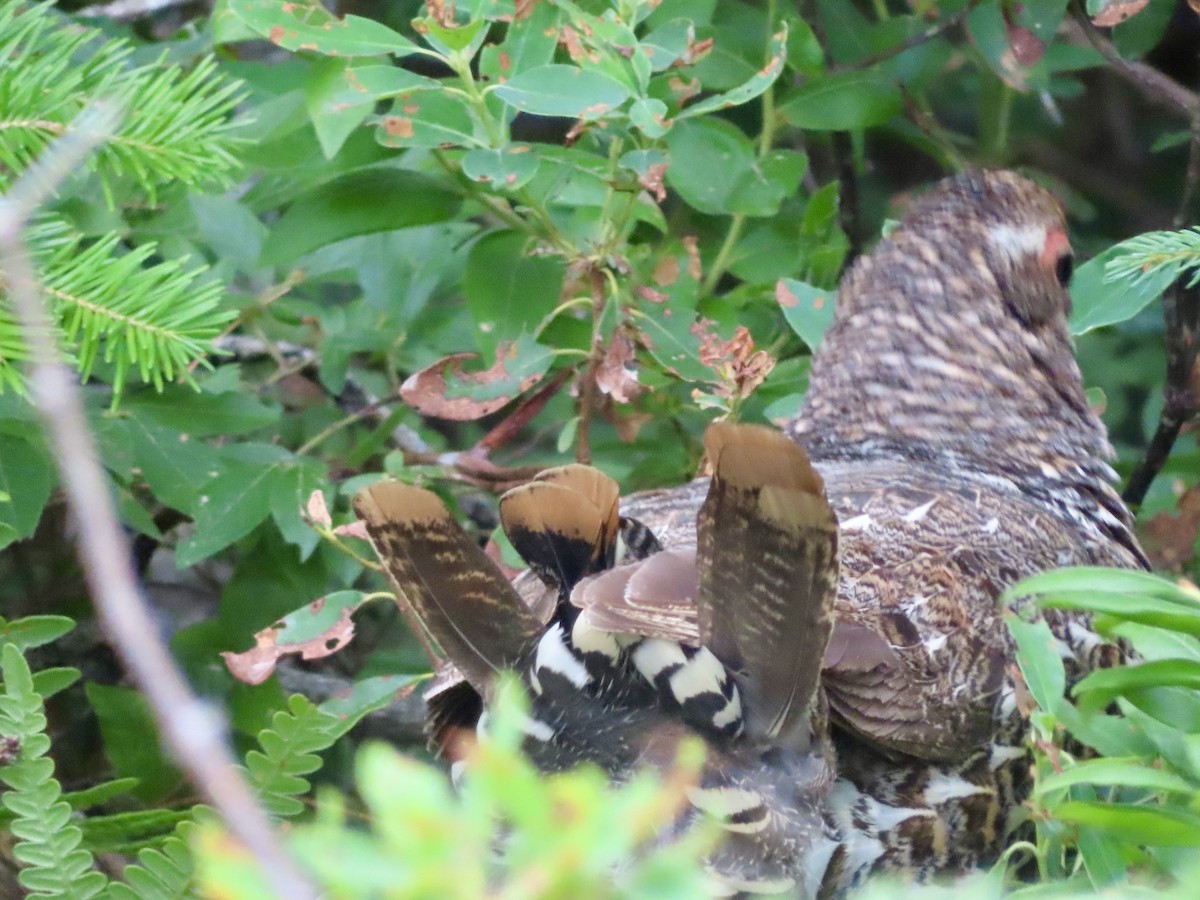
[{"x": 725, "y": 643}]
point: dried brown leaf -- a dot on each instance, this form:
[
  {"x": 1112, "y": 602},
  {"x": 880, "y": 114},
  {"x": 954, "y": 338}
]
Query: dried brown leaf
[
  {"x": 1118, "y": 12},
  {"x": 615, "y": 375},
  {"x": 428, "y": 391},
  {"x": 256, "y": 665}
]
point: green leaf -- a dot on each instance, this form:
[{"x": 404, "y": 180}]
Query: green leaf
[
  {"x": 1097, "y": 302},
  {"x": 429, "y": 119},
  {"x": 843, "y": 102},
  {"x": 508, "y": 290},
  {"x": 131, "y": 740},
  {"x": 503, "y": 169},
  {"x": 297, "y": 479},
  {"x": 1126, "y": 595},
  {"x": 233, "y": 502},
  {"x": 709, "y": 158},
  {"x": 466, "y": 38},
  {"x": 99, "y": 794},
  {"x": 34, "y": 631},
  {"x": 1101, "y": 580},
  {"x": 672, "y": 342},
  {"x": 649, "y": 116},
  {"x": 26, "y": 479},
  {"x": 49, "y": 682},
  {"x": 367, "y": 696},
  {"x": 1139, "y": 825},
  {"x": 808, "y": 309},
  {"x": 747, "y": 91},
  {"x": 195, "y": 414},
  {"x": 300, "y": 25},
  {"x": 561, "y": 90},
  {"x": 1130, "y": 773},
  {"x": 1100, "y": 687},
  {"x": 341, "y": 96},
  {"x": 362, "y": 202},
  {"x": 1041, "y": 666}
]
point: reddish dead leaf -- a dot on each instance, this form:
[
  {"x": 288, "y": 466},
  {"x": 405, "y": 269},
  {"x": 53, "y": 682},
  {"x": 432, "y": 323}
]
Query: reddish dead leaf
[
  {"x": 1025, "y": 702},
  {"x": 1027, "y": 48},
  {"x": 615, "y": 376},
  {"x": 684, "y": 90},
  {"x": 575, "y": 49},
  {"x": 428, "y": 392},
  {"x": 442, "y": 12},
  {"x": 1116, "y": 13},
  {"x": 1170, "y": 538},
  {"x": 352, "y": 529},
  {"x": 738, "y": 366},
  {"x": 256, "y": 665},
  {"x": 651, "y": 295},
  {"x": 691, "y": 245},
  {"x": 666, "y": 272},
  {"x": 522, "y": 9},
  {"x": 318, "y": 512},
  {"x": 398, "y": 126},
  {"x": 628, "y": 425},
  {"x": 784, "y": 295},
  {"x": 492, "y": 550}
]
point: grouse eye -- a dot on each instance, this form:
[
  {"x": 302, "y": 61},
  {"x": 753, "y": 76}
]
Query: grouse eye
[{"x": 1064, "y": 267}]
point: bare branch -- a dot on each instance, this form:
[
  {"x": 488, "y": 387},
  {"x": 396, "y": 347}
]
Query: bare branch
[
  {"x": 1181, "y": 315},
  {"x": 1151, "y": 83},
  {"x": 192, "y": 730}
]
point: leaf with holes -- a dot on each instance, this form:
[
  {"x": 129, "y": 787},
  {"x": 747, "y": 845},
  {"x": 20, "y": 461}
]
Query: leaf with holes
[
  {"x": 318, "y": 630},
  {"x": 446, "y": 390},
  {"x": 297, "y": 25},
  {"x": 808, "y": 309},
  {"x": 759, "y": 84},
  {"x": 560, "y": 90}
]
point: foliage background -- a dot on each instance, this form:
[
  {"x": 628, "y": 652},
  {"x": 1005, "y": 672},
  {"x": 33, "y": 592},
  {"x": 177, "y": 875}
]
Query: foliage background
[{"x": 301, "y": 212}]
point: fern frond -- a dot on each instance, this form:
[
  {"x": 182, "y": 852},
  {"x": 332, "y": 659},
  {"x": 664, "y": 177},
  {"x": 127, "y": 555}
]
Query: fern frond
[
  {"x": 55, "y": 865},
  {"x": 176, "y": 125},
  {"x": 1155, "y": 251},
  {"x": 289, "y": 752},
  {"x": 162, "y": 874},
  {"x": 155, "y": 318}
]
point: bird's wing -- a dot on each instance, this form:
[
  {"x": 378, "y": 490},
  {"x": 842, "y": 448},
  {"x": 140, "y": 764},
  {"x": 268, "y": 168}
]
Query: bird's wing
[
  {"x": 457, "y": 592},
  {"x": 767, "y": 555},
  {"x": 564, "y": 523}
]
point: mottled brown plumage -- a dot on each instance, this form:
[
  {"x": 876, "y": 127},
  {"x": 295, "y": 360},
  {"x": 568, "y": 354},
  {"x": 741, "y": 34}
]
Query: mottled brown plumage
[{"x": 947, "y": 419}]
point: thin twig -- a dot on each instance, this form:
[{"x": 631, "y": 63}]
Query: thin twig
[
  {"x": 915, "y": 40},
  {"x": 191, "y": 729},
  {"x": 1181, "y": 315},
  {"x": 1151, "y": 83}
]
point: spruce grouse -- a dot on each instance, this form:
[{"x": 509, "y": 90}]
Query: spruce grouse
[{"x": 860, "y": 718}]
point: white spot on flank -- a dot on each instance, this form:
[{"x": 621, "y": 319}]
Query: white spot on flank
[
  {"x": 703, "y": 674},
  {"x": 935, "y": 643},
  {"x": 537, "y": 729},
  {"x": 1017, "y": 241},
  {"x": 654, "y": 654},
  {"x": 943, "y": 787},
  {"x": 816, "y": 862},
  {"x": 920, "y": 512},
  {"x": 554, "y": 656},
  {"x": 589, "y": 639},
  {"x": 731, "y": 713},
  {"x": 1004, "y": 753},
  {"x": 858, "y": 523},
  {"x": 991, "y": 526}
]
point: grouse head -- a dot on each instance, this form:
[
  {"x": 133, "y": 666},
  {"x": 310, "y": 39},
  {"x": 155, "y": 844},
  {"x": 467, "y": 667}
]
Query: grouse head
[{"x": 950, "y": 346}]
